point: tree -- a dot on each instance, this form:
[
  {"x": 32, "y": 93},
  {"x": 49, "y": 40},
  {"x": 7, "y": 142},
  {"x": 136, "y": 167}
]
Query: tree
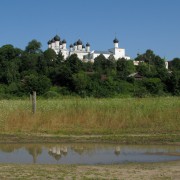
[
  {"x": 60, "y": 58},
  {"x": 33, "y": 47},
  {"x": 153, "y": 85},
  {"x": 8, "y": 52},
  {"x": 146, "y": 70},
  {"x": 74, "y": 63},
  {"x": 10, "y": 60},
  {"x": 159, "y": 62},
  {"x": 100, "y": 64},
  {"x": 80, "y": 82},
  {"x": 88, "y": 66},
  {"x": 29, "y": 64},
  {"x": 50, "y": 55},
  {"x": 175, "y": 63},
  {"x": 124, "y": 68},
  {"x": 173, "y": 83},
  {"x": 111, "y": 64},
  {"x": 63, "y": 77},
  {"x": 31, "y": 83}
]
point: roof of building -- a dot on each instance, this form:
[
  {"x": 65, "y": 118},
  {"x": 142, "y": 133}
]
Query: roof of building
[
  {"x": 52, "y": 40},
  {"x": 81, "y": 51},
  {"x": 83, "y": 46},
  {"x": 75, "y": 44},
  {"x": 115, "y": 40},
  {"x": 63, "y": 41},
  {"x": 71, "y": 46},
  {"x": 87, "y": 44},
  {"x": 79, "y": 42},
  {"x": 102, "y": 52},
  {"x": 60, "y": 43},
  {"x": 49, "y": 42},
  {"x": 56, "y": 38},
  {"x": 136, "y": 75}
]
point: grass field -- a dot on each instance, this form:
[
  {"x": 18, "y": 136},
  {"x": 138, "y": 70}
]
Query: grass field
[
  {"x": 130, "y": 120},
  {"x": 92, "y": 116}
]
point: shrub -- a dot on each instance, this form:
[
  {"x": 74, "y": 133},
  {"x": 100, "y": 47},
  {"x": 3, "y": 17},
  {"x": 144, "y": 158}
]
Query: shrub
[{"x": 51, "y": 95}]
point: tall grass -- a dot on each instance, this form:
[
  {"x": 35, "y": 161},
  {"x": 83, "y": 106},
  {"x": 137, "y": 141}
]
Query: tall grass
[{"x": 92, "y": 116}]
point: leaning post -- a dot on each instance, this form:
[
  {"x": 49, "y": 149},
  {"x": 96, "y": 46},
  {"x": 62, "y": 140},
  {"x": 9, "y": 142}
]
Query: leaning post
[{"x": 34, "y": 102}]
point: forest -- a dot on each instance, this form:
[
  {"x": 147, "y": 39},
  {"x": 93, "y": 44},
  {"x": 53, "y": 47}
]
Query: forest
[{"x": 51, "y": 76}]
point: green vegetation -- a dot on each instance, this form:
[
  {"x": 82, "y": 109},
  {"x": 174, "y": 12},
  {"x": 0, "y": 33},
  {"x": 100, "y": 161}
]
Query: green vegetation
[
  {"x": 24, "y": 71},
  {"x": 76, "y": 116},
  {"x": 60, "y": 83}
]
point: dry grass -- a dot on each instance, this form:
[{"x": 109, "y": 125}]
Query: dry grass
[
  {"x": 92, "y": 116},
  {"x": 135, "y": 171}
]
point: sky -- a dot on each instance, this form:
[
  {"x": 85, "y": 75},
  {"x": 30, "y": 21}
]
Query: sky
[{"x": 138, "y": 24}]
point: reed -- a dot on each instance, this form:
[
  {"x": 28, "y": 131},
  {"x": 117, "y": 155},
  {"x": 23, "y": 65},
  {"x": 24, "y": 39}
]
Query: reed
[{"x": 92, "y": 116}]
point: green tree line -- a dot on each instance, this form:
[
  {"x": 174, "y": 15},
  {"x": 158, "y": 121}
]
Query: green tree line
[{"x": 24, "y": 71}]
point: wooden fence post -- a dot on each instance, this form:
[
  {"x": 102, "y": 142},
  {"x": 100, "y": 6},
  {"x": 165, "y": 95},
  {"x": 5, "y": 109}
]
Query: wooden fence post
[{"x": 34, "y": 102}]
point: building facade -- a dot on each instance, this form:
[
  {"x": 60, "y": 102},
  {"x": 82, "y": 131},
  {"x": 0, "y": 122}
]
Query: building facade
[{"x": 84, "y": 53}]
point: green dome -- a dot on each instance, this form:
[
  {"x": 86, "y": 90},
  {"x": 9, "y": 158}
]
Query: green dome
[
  {"x": 52, "y": 40},
  {"x": 64, "y": 41},
  {"x": 87, "y": 44},
  {"x": 79, "y": 42},
  {"x": 56, "y": 38},
  {"x": 49, "y": 42},
  {"x": 115, "y": 40}
]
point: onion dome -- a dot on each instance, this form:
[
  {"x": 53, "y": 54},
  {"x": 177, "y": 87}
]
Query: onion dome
[
  {"x": 60, "y": 43},
  {"x": 52, "y": 40},
  {"x": 79, "y": 42},
  {"x": 56, "y": 38},
  {"x": 71, "y": 46},
  {"x": 75, "y": 44},
  {"x": 115, "y": 40},
  {"x": 49, "y": 42},
  {"x": 64, "y": 41},
  {"x": 83, "y": 46},
  {"x": 87, "y": 44}
]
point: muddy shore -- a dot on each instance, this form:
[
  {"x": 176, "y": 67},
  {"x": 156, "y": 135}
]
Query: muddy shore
[{"x": 153, "y": 171}]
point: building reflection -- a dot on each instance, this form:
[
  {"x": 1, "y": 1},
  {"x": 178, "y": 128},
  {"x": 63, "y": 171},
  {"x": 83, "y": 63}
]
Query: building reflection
[
  {"x": 42, "y": 153},
  {"x": 57, "y": 152},
  {"x": 117, "y": 150}
]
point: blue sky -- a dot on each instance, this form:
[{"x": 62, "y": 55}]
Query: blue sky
[{"x": 138, "y": 24}]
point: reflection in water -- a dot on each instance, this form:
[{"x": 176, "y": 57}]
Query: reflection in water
[
  {"x": 117, "y": 150},
  {"x": 79, "y": 149},
  {"x": 86, "y": 153},
  {"x": 57, "y": 151},
  {"x": 34, "y": 151}
]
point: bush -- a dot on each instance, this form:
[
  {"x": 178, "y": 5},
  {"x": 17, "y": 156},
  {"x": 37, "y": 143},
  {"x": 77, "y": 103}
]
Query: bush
[
  {"x": 5, "y": 96},
  {"x": 51, "y": 95},
  {"x": 40, "y": 84},
  {"x": 153, "y": 85}
]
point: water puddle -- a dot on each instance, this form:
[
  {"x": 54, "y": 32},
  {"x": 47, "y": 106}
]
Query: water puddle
[{"x": 86, "y": 153}]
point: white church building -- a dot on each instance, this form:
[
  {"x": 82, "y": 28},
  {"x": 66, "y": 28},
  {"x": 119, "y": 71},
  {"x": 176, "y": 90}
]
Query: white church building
[{"x": 83, "y": 52}]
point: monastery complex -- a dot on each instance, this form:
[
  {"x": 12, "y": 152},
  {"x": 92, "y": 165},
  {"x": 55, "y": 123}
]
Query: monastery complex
[{"x": 83, "y": 52}]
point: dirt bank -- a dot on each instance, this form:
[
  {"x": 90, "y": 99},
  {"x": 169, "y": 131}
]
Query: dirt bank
[{"x": 121, "y": 138}]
